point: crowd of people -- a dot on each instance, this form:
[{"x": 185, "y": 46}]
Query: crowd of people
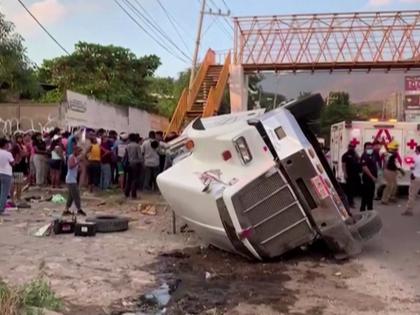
[
  {"x": 83, "y": 158},
  {"x": 362, "y": 173}
]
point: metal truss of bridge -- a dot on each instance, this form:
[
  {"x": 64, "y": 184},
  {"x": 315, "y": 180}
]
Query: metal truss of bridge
[{"x": 382, "y": 40}]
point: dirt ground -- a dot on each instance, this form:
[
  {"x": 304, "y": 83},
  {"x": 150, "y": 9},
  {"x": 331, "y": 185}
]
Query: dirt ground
[{"x": 134, "y": 271}]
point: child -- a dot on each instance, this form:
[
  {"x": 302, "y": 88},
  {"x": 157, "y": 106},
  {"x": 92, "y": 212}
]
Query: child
[{"x": 71, "y": 181}]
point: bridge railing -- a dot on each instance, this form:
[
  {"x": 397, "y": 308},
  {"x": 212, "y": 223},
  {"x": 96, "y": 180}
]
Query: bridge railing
[{"x": 329, "y": 41}]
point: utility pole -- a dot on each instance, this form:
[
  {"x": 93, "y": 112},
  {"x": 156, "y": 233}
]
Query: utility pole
[{"x": 198, "y": 38}]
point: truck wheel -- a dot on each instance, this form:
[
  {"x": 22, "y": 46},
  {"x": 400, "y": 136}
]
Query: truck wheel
[
  {"x": 109, "y": 223},
  {"x": 366, "y": 224}
]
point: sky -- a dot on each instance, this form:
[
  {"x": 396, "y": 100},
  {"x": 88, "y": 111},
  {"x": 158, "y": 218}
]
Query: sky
[{"x": 103, "y": 22}]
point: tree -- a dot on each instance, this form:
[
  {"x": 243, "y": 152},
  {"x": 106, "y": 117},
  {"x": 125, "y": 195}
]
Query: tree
[
  {"x": 109, "y": 73},
  {"x": 257, "y": 97},
  {"x": 17, "y": 77},
  {"x": 167, "y": 91},
  {"x": 338, "y": 109}
]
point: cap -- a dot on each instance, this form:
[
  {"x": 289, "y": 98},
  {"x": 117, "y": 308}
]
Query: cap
[
  {"x": 393, "y": 145},
  {"x": 124, "y": 135}
]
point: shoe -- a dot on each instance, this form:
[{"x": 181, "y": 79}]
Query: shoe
[
  {"x": 407, "y": 213},
  {"x": 81, "y": 212},
  {"x": 384, "y": 203},
  {"x": 66, "y": 213}
]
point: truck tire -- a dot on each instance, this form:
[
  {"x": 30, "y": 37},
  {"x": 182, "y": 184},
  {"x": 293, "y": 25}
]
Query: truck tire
[
  {"x": 366, "y": 224},
  {"x": 109, "y": 223}
]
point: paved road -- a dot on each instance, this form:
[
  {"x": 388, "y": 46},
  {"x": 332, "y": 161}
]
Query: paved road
[{"x": 397, "y": 249}]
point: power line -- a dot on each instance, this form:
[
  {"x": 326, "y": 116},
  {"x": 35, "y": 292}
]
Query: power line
[
  {"x": 156, "y": 28},
  {"x": 225, "y": 4},
  {"x": 42, "y": 26},
  {"x": 221, "y": 26},
  {"x": 210, "y": 25},
  {"x": 173, "y": 22},
  {"x": 147, "y": 13},
  {"x": 230, "y": 11},
  {"x": 147, "y": 33}
]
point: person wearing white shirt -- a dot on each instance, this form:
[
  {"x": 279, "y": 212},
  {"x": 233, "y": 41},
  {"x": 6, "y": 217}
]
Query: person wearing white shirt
[
  {"x": 414, "y": 185},
  {"x": 150, "y": 150},
  {"x": 6, "y": 162}
]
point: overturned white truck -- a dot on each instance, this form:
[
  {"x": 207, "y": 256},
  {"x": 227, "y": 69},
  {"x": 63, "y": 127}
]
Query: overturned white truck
[{"x": 256, "y": 183}]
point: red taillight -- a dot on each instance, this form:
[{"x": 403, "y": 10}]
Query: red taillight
[
  {"x": 246, "y": 233},
  {"x": 189, "y": 145},
  {"x": 227, "y": 155},
  {"x": 409, "y": 160}
]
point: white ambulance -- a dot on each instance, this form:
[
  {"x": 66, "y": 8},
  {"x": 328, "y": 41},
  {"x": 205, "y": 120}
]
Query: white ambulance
[{"x": 406, "y": 134}]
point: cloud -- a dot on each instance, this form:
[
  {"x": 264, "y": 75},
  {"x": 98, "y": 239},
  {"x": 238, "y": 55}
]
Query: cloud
[
  {"x": 384, "y": 3},
  {"x": 379, "y": 3},
  {"x": 48, "y": 12}
]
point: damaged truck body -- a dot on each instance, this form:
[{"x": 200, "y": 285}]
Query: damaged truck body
[{"x": 257, "y": 183}]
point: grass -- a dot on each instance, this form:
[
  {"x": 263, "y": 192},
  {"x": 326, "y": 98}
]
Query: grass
[{"x": 28, "y": 299}]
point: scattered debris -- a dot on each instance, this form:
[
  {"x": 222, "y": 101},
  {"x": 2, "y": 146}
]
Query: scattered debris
[
  {"x": 147, "y": 209},
  {"x": 176, "y": 254},
  {"x": 186, "y": 229},
  {"x": 62, "y": 226},
  {"x": 44, "y": 230},
  {"x": 208, "y": 275},
  {"x": 102, "y": 203},
  {"x": 338, "y": 274},
  {"x": 32, "y": 198},
  {"x": 59, "y": 199},
  {"x": 23, "y": 205}
]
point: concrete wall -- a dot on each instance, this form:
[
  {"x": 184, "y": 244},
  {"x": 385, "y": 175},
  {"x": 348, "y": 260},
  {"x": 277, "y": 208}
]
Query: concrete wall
[
  {"x": 28, "y": 115},
  {"x": 81, "y": 110},
  {"x": 78, "y": 110}
]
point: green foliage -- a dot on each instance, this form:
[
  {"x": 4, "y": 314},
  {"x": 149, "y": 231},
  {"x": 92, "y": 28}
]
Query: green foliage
[
  {"x": 258, "y": 97},
  {"x": 17, "y": 76},
  {"x": 167, "y": 92},
  {"x": 338, "y": 109},
  {"x": 109, "y": 73},
  {"x": 29, "y": 299},
  {"x": 39, "y": 294},
  {"x": 366, "y": 112}
]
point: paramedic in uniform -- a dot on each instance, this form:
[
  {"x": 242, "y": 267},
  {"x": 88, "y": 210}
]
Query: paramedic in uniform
[
  {"x": 414, "y": 185},
  {"x": 390, "y": 173},
  {"x": 351, "y": 170},
  {"x": 370, "y": 174}
]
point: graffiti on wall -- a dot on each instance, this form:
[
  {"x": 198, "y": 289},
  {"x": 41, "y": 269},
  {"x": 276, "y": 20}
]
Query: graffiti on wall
[{"x": 27, "y": 124}]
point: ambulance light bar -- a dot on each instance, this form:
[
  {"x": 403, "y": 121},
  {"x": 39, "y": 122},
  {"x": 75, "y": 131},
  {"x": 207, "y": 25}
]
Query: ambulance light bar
[{"x": 383, "y": 126}]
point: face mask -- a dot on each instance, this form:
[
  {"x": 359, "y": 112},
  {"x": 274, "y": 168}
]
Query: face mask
[{"x": 369, "y": 151}]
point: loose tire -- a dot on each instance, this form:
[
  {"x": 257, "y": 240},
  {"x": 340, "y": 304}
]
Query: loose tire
[
  {"x": 366, "y": 224},
  {"x": 109, "y": 223}
]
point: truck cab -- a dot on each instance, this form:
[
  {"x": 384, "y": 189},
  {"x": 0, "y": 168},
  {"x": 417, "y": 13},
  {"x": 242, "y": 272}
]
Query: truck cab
[{"x": 256, "y": 183}]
